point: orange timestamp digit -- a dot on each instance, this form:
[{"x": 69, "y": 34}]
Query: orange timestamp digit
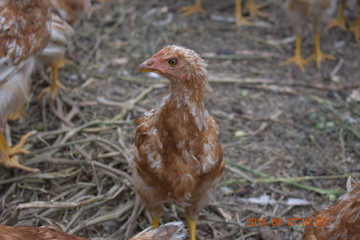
[
  {"x": 276, "y": 221},
  {"x": 306, "y": 221},
  {"x": 315, "y": 222},
  {"x": 256, "y": 222},
  {"x": 289, "y": 222},
  {"x": 292, "y": 221}
]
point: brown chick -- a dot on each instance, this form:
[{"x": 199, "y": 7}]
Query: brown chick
[
  {"x": 47, "y": 232},
  {"x": 64, "y": 12},
  {"x": 240, "y": 20},
  {"x": 179, "y": 157},
  {"x": 319, "y": 11},
  {"x": 169, "y": 231},
  {"x": 24, "y": 32},
  {"x": 341, "y": 220}
]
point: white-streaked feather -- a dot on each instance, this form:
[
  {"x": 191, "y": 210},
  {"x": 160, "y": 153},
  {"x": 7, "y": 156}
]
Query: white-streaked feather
[
  {"x": 169, "y": 231},
  {"x": 24, "y": 30},
  {"x": 60, "y": 37}
]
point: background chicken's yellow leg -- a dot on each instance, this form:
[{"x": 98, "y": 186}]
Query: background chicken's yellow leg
[
  {"x": 19, "y": 113},
  {"x": 192, "y": 228},
  {"x": 6, "y": 152},
  {"x": 196, "y": 8},
  {"x": 254, "y": 10},
  {"x": 318, "y": 55},
  {"x": 340, "y": 19},
  {"x": 55, "y": 83},
  {"x": 18, "y": 148},
  {"x": 155, "y": 221},
  {"x": 356, "y": 28},
  {"x": 297, "y": 59},
  {"x": 240, "y": 20}
]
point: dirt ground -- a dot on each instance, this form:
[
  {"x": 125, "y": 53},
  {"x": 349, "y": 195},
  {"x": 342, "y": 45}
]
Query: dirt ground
[{"x": 290, "y": 138}]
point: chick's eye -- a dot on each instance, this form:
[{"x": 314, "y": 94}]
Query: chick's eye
[{"x": 172, "y": 62}]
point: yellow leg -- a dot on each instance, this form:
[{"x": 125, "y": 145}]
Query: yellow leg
[
  {"x": 340, "y": 20},
  {"x": 6, "y": 153},
  {"x": 19, "y": 113},
  {"x": 254, "y": 10},
  {"x": 240, "y": 20},
  {"x": 196, "y": 8},
  {"x": 155, "y": 221},
  {"x": 55, "y": 85},
  {"x": 318, "y": 55},
  {"x": 356, "y": 28},
  {"x": 192, "y": 228},
  {"x": 297, "y": 59}
]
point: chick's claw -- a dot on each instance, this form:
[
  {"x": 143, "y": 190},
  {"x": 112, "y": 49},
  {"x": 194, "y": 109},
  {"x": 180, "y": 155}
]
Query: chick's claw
[
  {"x": 318, "y": 56},
  {"x": 19, "y": 148},
  {"x": 196, "y": 8},
  {"x": 340, "y": 20},
  {"x": 7, "y": 158},
  {"x": 53, "y": 90},
  {"x": 254, "y": 10},
  {"x": 337, "y": 22},
  {"x": 14, "y": 163},
  {"x": 299, "y": 61}
]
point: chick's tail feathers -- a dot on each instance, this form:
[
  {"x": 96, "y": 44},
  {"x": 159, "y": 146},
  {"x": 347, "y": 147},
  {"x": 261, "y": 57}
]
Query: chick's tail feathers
[{"x": 169, "y": 231}]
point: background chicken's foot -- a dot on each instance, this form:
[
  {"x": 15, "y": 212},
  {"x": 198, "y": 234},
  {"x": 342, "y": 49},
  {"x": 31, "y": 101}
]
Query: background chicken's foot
[
  {"x": 340, "y": 20},
  {"x": 254, "y": 10},
  {"x": 196, "y": 8}
]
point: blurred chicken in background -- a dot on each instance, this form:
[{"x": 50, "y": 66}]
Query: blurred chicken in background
[
  {"x": 64, "y": 12},
  {"x": 319, "y": 12},
  {"x": 340, "y": 20},
  {"x": 25, "y": 28},
  {"x": 240, "y": 20}
]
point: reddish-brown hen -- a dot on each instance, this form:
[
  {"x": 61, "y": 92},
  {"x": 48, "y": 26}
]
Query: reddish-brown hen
[
  {"x": 179, "y": 157},
  {"x": 24, "y": 32},
  {"x": 47, "y": 232},
  {"x": 342, "y": 218},
  {"x": 170, "y": 231}
]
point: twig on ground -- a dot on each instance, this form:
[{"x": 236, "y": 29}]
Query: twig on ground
[
  {"x": 287, "y": 181},
  {"x": 114, "y": 215},
  {"x": 131, "y": 103},
  {"x": 113, "y": 192}
]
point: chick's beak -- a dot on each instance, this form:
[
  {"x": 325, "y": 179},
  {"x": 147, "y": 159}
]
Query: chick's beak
[{"x": 147, "y": 66}]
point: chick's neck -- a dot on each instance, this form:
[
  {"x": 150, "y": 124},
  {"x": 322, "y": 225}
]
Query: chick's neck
[
  {"x": 188, "y": 90},
  {"x": 185, "y": 101}
]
